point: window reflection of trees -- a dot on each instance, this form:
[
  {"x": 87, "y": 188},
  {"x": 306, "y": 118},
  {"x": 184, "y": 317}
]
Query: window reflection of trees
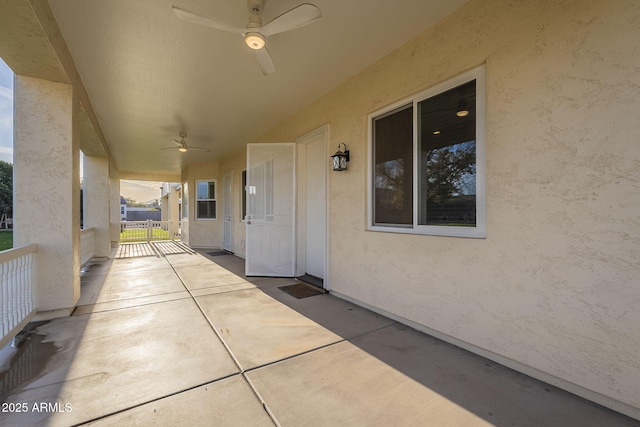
[
  {"x": 393, "y": 179},
  {"x": 449, "y": 175},
  {"x": 390, "y": 176}
]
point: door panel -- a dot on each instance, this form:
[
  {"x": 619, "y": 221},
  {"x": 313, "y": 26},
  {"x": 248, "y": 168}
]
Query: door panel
[{"x": 270, "y": 210}]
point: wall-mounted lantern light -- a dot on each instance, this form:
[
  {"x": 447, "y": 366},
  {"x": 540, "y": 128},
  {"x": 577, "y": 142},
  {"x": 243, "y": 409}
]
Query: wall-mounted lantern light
[{"x": 341, "y": 158}]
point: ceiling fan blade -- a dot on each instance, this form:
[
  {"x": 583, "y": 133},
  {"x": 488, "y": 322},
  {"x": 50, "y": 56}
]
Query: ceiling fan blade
[
  {"x": 198, "y": 148},
  {"x": 265, "y": 62},
  {"x": 297, "y": 17},
  {"x": 206, "y": 21}
]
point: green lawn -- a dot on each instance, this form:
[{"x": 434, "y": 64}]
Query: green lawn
[
  {"x": 6, "y": 239},
  {"x": 140, "y": 234},
  {"x": 131, "y": 235}
]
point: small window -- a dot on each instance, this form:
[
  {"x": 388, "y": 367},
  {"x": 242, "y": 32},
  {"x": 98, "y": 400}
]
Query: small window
[
  {"x": 206, "y": 200},
  {"x": 427, "y": 161}
]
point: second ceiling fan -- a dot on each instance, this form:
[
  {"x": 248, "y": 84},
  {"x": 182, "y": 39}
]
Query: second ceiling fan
[
  {"x": 182, "y": 144},
  {"x": 254, "y": 34}
]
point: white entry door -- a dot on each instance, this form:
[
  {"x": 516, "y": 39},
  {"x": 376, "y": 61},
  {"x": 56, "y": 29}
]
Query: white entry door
[
  {"x": 227, "y": 212},
  {"x": 270, "y": 210},
  {"x": 315, "y": 166}
]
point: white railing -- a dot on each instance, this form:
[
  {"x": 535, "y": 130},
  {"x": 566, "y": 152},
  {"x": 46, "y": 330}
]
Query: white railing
[
  {"x": 87, "y": 245},
  {"x": 16, "y": 304},
  {"x": 145, "y": 231}
]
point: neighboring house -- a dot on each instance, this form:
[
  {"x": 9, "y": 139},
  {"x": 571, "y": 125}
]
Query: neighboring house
[
  {"x": 143, "y": 214},
  {"x": 131, "y": 213},
  {"x": 170, "y": 201},
  {"x": 491, "y": 197},
  {"x": 171, "y": 206},
  {"x": 123, "y": 209}
]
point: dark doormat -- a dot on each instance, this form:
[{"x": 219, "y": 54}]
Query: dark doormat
[
  {"x": 301, "y": 290},
  {"x": 312, "y": 280},
  {"x": 218, "y": 253}
]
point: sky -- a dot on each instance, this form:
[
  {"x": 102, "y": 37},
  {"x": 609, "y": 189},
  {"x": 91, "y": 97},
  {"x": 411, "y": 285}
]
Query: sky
[
  {"x": 6, "y": 113},
  {"x": 140, "y": 191}
]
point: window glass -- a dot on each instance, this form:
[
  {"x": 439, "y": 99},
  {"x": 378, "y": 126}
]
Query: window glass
[
  {"x": 206, "y": 209},
  {"x": 206, "y": 190},
  {"x": 447, "y": 158},
  {"x": 393, "y": 167}
]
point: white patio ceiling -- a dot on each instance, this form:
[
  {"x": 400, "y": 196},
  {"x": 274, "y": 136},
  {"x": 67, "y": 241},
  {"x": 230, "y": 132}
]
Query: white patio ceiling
[{"x": 150, "y": 75}]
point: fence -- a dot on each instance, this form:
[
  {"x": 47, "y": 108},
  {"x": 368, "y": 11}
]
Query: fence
[
  {"x": 87, "y": 245},
  {"x": 145, "y": 231},
  {"x": 16, "y": 304}
]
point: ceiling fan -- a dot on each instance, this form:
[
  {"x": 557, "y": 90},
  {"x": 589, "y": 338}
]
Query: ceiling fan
[
  {"x": 182, "y": 144},
  {"x": 255, "y": 33}
]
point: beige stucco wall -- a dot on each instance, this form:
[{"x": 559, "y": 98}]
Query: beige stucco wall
[
  {"x": 46, "y": 194},
  {"x": 202, "y": 233},
  {"x": 553, "y": 289}
]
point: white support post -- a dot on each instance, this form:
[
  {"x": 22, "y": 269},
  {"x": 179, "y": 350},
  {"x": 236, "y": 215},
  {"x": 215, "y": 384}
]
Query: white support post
[
  {"x": 149, "y": 231},
  {"x": 96, "y": 197},
  {"x": 114, "y": 209}
]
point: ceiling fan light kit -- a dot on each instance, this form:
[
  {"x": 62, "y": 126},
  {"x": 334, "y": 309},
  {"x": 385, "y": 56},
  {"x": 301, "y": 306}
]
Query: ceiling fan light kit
[
  {"x": 254, "y": 34},
  {"x": 254, "y": 40}
]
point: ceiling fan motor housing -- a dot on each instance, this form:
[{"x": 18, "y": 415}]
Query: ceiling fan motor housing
[{"x": 255, "y": 21}]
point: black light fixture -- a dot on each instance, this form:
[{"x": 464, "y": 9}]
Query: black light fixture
[
  {"x": 341, "y": 158},
  {"x": 462, "y": 110}
]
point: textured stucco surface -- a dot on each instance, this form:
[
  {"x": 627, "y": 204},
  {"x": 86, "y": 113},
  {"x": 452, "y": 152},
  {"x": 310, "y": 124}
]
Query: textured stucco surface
[
  {"x": 202, "y": 233},
  {"x": 47, "y": 187},
  {"x": 96, "y": 199},
  {"x": 33, "y": 56},
  {"x": 554, "y": 286}
]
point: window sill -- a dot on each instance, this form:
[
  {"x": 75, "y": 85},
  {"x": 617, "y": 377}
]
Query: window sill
[{"x": 468, "y": 232}]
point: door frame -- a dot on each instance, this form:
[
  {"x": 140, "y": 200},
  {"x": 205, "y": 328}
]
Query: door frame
[
  {"x": 228, "y": 203},
  {"x": 301, "y": 142}
]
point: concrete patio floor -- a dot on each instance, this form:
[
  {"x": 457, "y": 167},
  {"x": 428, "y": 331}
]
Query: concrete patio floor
[{"x": 166, "y": 336}]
